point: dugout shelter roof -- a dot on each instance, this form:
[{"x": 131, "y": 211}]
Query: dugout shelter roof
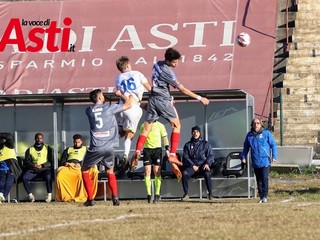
[{"x": 84, "y": 97}]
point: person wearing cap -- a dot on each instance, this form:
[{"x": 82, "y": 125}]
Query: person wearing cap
[{"x": 197, "y": 158}]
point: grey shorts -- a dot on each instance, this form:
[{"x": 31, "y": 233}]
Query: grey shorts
[
  {"x": 160, "y": 107},
  {"x": 104, "y": 156}
]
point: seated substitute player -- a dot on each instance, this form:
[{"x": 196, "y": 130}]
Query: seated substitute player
[
  {"x": 103, "y": 138},
  {"x": 152, "y": 156},
  {"x": 8, "y": 175},
  {"x": 39, "y": 162},
  {"x": 132, "y": 84},
  {"x": 69, "y": 184},
  {"x": 160, "y": 103}
]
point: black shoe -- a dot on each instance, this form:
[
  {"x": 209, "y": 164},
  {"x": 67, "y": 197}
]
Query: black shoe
[
  {"x": 115, "y": 201},
  {"x": 210, "y": 196},
  {"x": 149, "y": 198},
  {"x": 124, "y": 161},
  {"x": 135, "y": 160},
  {"x": 156, "y": 199},
  {"x": 185, "y": 197},
  {"x": 89, "y": 203}
]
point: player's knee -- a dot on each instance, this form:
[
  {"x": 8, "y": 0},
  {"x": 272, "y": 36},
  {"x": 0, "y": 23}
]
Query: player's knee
[
  {"x": 109, "y": 170},
  {"x": 175, "y": 123}
]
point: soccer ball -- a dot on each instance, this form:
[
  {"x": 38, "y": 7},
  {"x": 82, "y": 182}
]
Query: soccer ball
[{"x": 243, "y": 39}]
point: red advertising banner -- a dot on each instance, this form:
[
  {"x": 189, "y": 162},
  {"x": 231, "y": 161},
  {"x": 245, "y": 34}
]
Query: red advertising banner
[{"x": 71, "y": 46}]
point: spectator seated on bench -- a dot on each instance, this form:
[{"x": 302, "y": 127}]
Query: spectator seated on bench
[{"x": 197, "y": 159}]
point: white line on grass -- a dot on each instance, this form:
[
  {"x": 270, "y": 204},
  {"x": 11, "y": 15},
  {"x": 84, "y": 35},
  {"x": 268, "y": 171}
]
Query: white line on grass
[
  {"x": 287, "y": 200},
  {"x": 304, "y": 204},
  {"x": 60, "y": 225}
]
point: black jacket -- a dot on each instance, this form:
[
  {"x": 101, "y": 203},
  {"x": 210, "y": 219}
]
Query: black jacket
[{"x": 197, "y": 152}]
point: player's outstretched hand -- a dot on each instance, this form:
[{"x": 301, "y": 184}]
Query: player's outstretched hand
[
  {"x": 205, "y": 101},
  {"x": 118, "y": 93}
]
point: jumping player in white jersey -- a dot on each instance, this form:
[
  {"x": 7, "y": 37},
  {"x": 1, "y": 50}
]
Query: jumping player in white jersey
[
  {"x": 160, "y": 103},
  {"x": 132, "y": 84},
  {"x": 103, "y": 138}
]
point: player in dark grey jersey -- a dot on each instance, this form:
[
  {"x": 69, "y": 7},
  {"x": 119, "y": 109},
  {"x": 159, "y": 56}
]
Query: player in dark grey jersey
[
  {"x": 160, "y": 103},
  {"x": 103, "y": 139}
]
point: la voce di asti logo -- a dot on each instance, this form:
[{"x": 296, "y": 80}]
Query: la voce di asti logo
[{"x": 42, "y": 32}]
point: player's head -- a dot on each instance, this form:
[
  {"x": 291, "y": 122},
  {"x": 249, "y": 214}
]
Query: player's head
[
  {"x": 256, "y": 124},
  {"x": 172, "y": 57},
  {"x": 77, "y": 140},
  {"x": 123, "y": 64},
  {"x": 196, "y": 132},
  {"x": 38, "y": 137},
  {"x": 96, "y": 96}
]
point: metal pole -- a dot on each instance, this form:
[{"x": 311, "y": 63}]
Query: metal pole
[
  {"x": 281, "y": 119},
  {"x": 55, "y": 135}
]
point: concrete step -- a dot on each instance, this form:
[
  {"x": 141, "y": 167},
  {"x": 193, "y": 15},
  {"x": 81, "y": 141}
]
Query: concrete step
[
  {"x": 298, "y": 141},
  {"x": 282, "y": 4},
  {"x": 281, "y": 34},
  {"x": 302, "y": 127},
  {"x": 282, "y": 19},
  {"x": 304, "y": 76},
  {"x": 307, "y": 2},
  {"x": 309, "y": 30},
  {"x": 277, "y": 79},
  {"x": 306, "y": 135},
  {"x": 301, "y": 91},
  {"x": 303, "y": 16},
  {"x": 306, "y": 8},
  {"x": 304, "y": 57},
  {"x": 306, "y": 37},
  {"x": 300, "y": 45},
  {"x": 302, "y": 20},
  {"x": 302, "y": 69},
  {"x": 289, "y": 98},
  {"x": 280, "y": 63},
  {"x": 311, "y": 101},
  {"x": 299, "y": 83}
]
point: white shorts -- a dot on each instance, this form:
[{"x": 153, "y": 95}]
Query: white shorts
[{"x": 129, "y": 119}]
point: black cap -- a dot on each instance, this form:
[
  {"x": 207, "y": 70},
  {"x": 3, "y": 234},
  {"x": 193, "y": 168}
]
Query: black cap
[{"x": 196, "y": 128}]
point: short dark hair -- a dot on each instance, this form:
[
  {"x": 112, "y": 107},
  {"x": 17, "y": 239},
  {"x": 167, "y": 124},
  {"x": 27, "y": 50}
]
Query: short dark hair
[
  {"x": 38, "y": 134},
  {"x": 122, "y": 62},
  {"x": 94, "y": 95},
  {"x": 77, "y": 136},
  {"x": 172, "y": 54}
]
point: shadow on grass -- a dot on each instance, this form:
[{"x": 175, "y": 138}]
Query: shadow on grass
[
  {"x": 298, "y": 191},
  {"x": 213, "y": 201}
]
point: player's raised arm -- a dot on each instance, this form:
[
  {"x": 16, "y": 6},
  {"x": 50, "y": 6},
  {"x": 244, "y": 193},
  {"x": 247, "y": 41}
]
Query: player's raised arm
[
  {"x": 147, "y": 86},
  {"x": 189, "y": 93}
]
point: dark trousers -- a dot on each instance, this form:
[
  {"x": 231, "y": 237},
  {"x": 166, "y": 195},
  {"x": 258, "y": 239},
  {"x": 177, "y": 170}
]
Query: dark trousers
[
  {"x": 262, "y": 177},
  {"x": 6, "y": 182},
  {"x": 188, "y": 172},
  {"x": 29, "y": 175}
]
